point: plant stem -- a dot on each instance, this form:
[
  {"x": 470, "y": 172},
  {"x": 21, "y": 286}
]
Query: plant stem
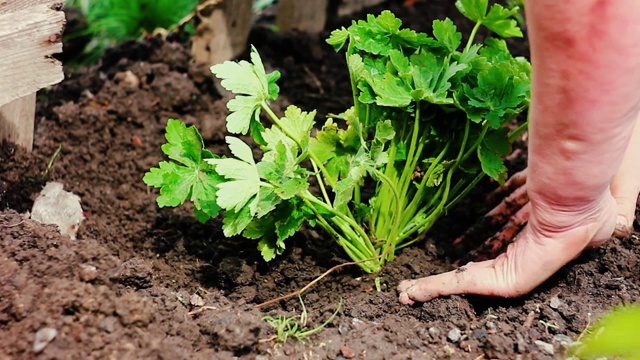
[{"x": 472, "y": 36}]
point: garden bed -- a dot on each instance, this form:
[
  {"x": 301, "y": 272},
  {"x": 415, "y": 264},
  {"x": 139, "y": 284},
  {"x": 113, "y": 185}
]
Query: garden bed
[{"x": 168, "y": 287}]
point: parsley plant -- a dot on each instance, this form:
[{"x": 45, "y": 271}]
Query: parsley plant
[{"x": 427, "y": 123}]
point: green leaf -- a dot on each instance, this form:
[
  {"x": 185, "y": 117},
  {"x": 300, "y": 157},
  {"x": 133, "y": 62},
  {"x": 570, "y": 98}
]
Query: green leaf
[
  {"x": 432, "y": 77},
  {"x": 338, "y": 38},
  {"x": 390, "y": 91},
  {"x": 447, "y": 34},
  {"x": 389, "y": 22},
  {"x": 268, "y": 248},
  {"x": 492, "y": 164},
  {"x": 289, "y": 223},
  {"x": 252, "y": 87},
  {"x": 500, "y": 90},
  {"x": 358, "y": 167},
  {"x": 184, "y": 145},
  {"x": 384, "y": 131},
  {"x": 276, "y": 227},
  {"x": 189, "y": 177},
  {"x": 298, "y": 123},
  {"x": 501, "y": 21},
  {"x": 475, "y": 10},
  {"x": 235, "y": 222},
  {"x": 243, "y": 181},
  {"x": 614, "y": 336},
  {"x": 281, "y": 171}
]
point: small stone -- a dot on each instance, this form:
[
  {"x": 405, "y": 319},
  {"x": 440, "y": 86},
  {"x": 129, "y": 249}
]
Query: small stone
[
  {"x": 490, "y": 325},
  {"x": 434, "y": 332},
  {"x": 448, "y": 350},
  {"x": 88, "y": 272},
  {"x": 544, "y": 347},
  {"x": 127, "y": 79},
  {"x": 343, "y": 329},
  {"x": 479, "y": 334},
  {"x": 43, "y": 337},
  {"x": 555, "y": 302},
  {"x": 108, "y": 324},
  {"x": 55, "y": 206},
  {"x": 196, "y": 300},
  {"x": 357, "y": 323},
  {"x": 347, "y": 352},
  {"x": 521, "y": 345},
  {"x": 454, "y": 335},
  {"x": 563, "y": 339}
]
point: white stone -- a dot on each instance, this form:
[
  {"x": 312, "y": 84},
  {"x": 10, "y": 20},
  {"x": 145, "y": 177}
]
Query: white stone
[{"x": 55, "y": 206}]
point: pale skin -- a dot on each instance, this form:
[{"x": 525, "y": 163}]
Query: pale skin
[{"x": 583, "y": 175}]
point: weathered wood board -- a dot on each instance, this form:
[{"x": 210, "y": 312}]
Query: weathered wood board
[
  {"x": 30, "y": 32},
  {"x": 305, "y": 16},
  {"x": 223, "y": 30}
]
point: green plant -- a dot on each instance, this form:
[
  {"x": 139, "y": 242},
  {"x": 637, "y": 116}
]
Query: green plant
[
  {"x": 614, "y": 336},
  {"x": 112, "y": 21},
  {"x": 293, "y": 327},
  {"x": 425, "y": 126}
]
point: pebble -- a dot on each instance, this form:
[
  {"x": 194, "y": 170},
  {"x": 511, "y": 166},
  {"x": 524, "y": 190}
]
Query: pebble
[
  {"x": 490, "y": 325},
  {"x": 347, "y": 352},
  {"x": 88, "y": 272},
  {"x": 454, "y": 335},
  {"x": 544, "y": 347},
  {"x": 108, "y": 324},
  {"x": 521, "y": 345},
  {"x": 196, "y": 300},
  {"x": 343, "y": 329},
  {"x": 479, "y": 334},
  {"x": 43, "y": 337},
  {"x": 434, "y": 332},
  {"x": 555, "y": 302},
  {"x": 55, "y": 206},
  {"x": 563, "y": 339}
]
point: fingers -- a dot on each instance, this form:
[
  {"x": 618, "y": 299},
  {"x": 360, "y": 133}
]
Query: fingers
[
  {"x": 626, "y": 185},
  {"x": 516, "y": 181},
  {"x": 528, "y": 262},
  {"x": 496, "y": 244},
  {"x": 503, "y": 212}
]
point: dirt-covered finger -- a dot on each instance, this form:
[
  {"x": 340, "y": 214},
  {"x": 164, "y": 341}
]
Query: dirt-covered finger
[
  {"x": 497, "y": 217},
  {"x": 495, "y": 245},
  {"x": 516, "y": 181}
]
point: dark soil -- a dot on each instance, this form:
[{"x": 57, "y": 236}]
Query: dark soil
[{"x": 167, "y": 287}]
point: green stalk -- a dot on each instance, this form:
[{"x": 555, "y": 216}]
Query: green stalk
[
  {"x": 413, "y": 205},
  {"x": 426, "y": 224},
  {"x": 323, "y": 190},
  {"x": 518, "y": 131},
  {"x": 472, "y": 36},
  {"x": 349, "y": 241},
  {"x": 357, "y": 228},
  {"x": 464, "y": 192}
]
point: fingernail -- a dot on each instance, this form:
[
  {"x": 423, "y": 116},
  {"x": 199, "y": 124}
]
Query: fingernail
[{"x": 621, "y": 231}]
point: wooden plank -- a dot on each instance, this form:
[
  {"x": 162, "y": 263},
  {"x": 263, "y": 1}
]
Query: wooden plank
[
  {"x": 223, "y": 30},
  {"x": 28, "y": 38},
  {"x": 17, "y": 119},
  {"x": 306, "y": 16},
  {"x": 30, "y": 32},
  {"x": 348, "y": 7}
]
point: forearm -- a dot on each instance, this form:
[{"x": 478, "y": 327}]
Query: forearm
[{"x": 586, "y": 95}]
